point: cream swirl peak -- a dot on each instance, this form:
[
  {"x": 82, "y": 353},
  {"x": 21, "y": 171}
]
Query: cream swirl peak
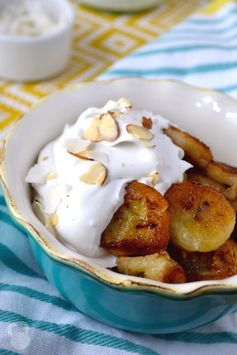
[{"x": 80, "y": 178}]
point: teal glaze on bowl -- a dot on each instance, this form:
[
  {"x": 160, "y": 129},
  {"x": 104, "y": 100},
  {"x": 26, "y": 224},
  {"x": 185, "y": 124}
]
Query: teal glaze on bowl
[
  {"x": 122, "y": 301},
  {"x": 136, "y": 311}
]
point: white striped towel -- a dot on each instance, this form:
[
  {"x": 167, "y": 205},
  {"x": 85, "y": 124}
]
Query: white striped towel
[{"x": 34, "y": 319}]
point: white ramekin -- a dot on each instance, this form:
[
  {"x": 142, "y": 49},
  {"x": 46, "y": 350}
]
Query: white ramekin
[{"x": 36, "y": 58}]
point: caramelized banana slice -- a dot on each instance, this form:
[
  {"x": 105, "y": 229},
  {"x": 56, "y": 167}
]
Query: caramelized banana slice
[
  {"x": 224, "y": 174},
  {"x": 159, "y": 267},
  {"x": 141, "y": 224},
  {"x": 201, "y": 218},
  {"x": 196, "y": 152},
  {"x": 234, "y": 205},
  {"x": 197, "y": 175},
  {"x": 214, "y": 265}
]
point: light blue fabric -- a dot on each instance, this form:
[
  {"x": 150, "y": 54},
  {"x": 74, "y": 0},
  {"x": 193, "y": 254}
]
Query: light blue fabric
[
  {"x": 201, "y": 51},
  {"x": 34, "y": 319}
]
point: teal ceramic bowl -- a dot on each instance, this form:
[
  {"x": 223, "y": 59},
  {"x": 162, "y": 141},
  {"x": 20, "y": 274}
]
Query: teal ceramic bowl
[{"x": 126, "y": 302}]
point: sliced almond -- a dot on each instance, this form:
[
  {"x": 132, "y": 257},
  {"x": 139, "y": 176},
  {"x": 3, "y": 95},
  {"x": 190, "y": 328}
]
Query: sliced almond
[
  {"x": 148, "y": 144},
  {"x": 154, "y": 177},
  {"x": 92, "y": 131},
  {"x": 147, "y": 122},
  {"x": 42, "y": 216},
  {"x": 115, "y": 113},
  {"x": 75, "y": 145},
  {"x": 96, "y": 175},
  {"x": 108, "y": 128},
  {"x": 81, "y": 155},
  {"x": 54, "y": 219},
  {"x": 125, "y": 103},
  {"x": 52, "y": 175},
  {"x": 39, "y": 211},
  {"x": 102, "y": 128},
  {"x": 139, "y": 132}
]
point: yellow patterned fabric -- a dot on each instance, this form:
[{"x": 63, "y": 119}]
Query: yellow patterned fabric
[{"x": 100, "y": 39}]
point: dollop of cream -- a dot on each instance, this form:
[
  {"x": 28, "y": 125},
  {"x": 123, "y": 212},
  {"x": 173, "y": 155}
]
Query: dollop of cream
[{"x": 82, "y": 207}]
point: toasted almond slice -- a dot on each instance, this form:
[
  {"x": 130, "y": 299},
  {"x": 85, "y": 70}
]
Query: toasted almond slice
[
  {"x": 125, "y": 103},
  {"x": 54, "y": 219},
  {"x": 92, "y": 131},
  {"x": 147, "y": 122},
  {"x": 44, "y": 217},
  {"x": 81, "y": 155},
  {"x": 155, "y": 177},
  {"x": 108, "y": 128},
  {"x": 39, "y": 211},
  {"x": 139, "y": 132},
  {"x": 115, "y": 113},
  {"x": 52, "y": 175},
  {"x": 75, "y": 145},
  {"x": 96, "y": 175},
  {"x": 148, "y": 144}
]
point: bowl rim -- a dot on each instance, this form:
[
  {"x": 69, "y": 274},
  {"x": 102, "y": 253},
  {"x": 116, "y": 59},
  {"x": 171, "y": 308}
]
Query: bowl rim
[
  {"x": 26, "y": 40},
  {"x": 132, "y": 283},
  {"x": 121, "y": 6}
]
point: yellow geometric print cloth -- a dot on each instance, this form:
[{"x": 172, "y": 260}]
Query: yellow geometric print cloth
[{"x": 100, "y": 39}]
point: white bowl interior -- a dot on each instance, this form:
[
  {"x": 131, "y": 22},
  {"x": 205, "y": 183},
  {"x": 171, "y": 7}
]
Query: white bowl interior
[{"x": 210, "y": 116}]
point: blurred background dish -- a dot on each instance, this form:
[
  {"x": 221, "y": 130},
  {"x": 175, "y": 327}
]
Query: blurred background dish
[
  {"x": 121, "y": 5},
  {"x": 35, "y": 38}
]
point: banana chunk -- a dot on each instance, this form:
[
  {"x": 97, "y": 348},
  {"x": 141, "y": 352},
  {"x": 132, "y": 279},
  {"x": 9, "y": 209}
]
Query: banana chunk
[
  {"x": 224, "y": 174},
  {"x": 159, "y": 267},
  {"x": 215, "y": 265},
  {"x": 141, "y": 224},
  {"x": 201, "y": 218},
  {"x": 197, "y": 175},
  {"x": 195, "y": 151}
]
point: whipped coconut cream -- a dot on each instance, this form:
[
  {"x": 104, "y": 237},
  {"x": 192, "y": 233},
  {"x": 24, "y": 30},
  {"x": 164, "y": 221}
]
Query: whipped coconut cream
[{"x": 81, "y": 177}]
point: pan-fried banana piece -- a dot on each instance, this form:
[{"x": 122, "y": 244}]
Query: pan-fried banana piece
[
  {"x": 141, "y": 224},
  {"x": 159, "y": 267},
  {"x": 195, "y": 151},
  {"x": 201, "y": 218},
  {"x": 234, "y": 205},
  {"x": 224, "y": 174},
  {"x": 197, "y": 175},
  {"x": 215, "y": 265}
]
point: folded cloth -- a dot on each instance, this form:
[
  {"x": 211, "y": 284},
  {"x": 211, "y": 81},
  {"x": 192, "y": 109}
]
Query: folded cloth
[{"x": 34, "y": 319}]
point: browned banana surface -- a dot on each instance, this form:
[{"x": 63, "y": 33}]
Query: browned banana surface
[
  {"x": 141, "y": 224},
  {"x": 215, "y": 265},
  {"x": 198, "y": 175},
  {"x": 201, "y": 217},
  {"x": 159, "y": 267},
  {"x": 224, "y": 174},
  {"x": 195, "y": 151}
]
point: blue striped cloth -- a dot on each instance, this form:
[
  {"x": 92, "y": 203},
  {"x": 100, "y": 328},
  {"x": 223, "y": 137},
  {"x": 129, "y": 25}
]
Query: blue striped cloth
[
  {"x": 201, "y": 51},
  {"x": 34, "y": 319}
]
